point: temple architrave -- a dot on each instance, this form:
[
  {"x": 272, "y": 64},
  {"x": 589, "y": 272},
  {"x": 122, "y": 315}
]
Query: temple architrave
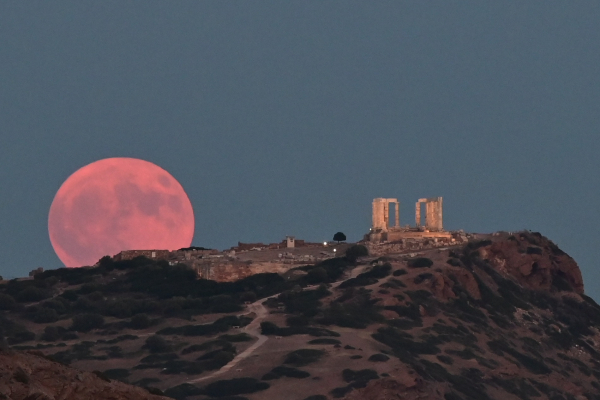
[{"x": 382, "y": 230}]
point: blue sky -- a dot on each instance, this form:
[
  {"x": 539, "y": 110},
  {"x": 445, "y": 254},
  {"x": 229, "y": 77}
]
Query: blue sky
[{"x": 288, "y": 118}]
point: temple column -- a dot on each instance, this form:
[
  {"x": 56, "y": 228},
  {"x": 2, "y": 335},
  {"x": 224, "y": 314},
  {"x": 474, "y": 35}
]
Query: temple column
[{"x": 418, "y": 214}]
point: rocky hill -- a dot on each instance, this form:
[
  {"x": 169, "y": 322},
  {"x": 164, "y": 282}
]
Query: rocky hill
[
  {"x": 502, "y": 317},
  {"x": 29, "y": 375}
]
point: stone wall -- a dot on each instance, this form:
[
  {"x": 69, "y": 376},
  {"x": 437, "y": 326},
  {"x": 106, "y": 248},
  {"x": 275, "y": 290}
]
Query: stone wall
[{"x": 152, "y": 254}]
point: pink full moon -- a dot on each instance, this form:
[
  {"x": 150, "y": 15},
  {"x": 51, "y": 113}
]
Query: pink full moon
[{"x": 118, "y": 204}]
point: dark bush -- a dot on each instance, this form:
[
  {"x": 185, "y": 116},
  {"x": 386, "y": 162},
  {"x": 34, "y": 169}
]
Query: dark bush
[
  {"x": 289, "y": 372},
  {"x": 363, "y": 375},
  {"x": 31, "y": 293},
  {"x": 157, "y": 344},
  {"x": 181, "y": 392},
  {"x": 445, "y": 359},
  {"x": 51, "y": 334},
  {"x": 45, "y": 315},
  {"x": 534, "y": 250},
  {"x": 560, "y": 283},
  {"x": 297, "y": 320},
  {"x": 356, "y": 251},
  {"x": 324, "y": 341},
  {"x": 156, "y": 358},
  {"x": 316, "y": 397},
  {"x": 155, "y": 391},
  {"x": 144, "y": 382},
  {"x": 402, "y": 344},
  {"x": 21, "y": 376},
  {"x": 220, "y": 325},
  {"x": 368, "y": 278},
  {"x": 317, "y": 275},
  {"x": 353, "y": 282},
  {"x": 174, "y": 367},
  {"x": 394, "y": 284},
  {"x": 21, "y": 337},
  {"x": 232, "y": 387},
  {"x": 210, "y": 345},
  {"x": 399, "y": 272},
  {"x": 340, "y": 392},
  {"x": 422, "y": 278},
  {"x": 101, "y": 375},
  {"x": 378, "y": 358},
  {"x": 303, "y": 357},
  {"x": 269, "y": 328},
  {"x": 420, "y": 262},
  {"x": 7, "y": 302},
  {"x": 216, "y": 359},
  {"x": 404, "y": 323},
  {"x": 476, "y": 245},
  {"x": 305, "y": 302},
  {"x": 87, "y": 322},
  {"x": 120, "y": 374},
  {"x": 452, "y": 396},
  {"x": 140, "y": 321},
  {"x": 411, "y": 311},
  {"x": 518, "y": 387},
  {"x": 455, "y": 262},
  {"x": 534, "y": 365},
  {"x": 240, "y": 337},
  {"x": 60, "y": 305}
]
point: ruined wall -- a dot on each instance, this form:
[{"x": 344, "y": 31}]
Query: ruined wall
[
  {"x": 131, "y": 254},
  {"x": 231, "y": 271}
]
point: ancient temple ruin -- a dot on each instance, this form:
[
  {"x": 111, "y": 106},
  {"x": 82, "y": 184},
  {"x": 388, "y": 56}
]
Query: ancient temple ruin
[
  {"x": 433, "y": 213},
  {"x": 383, "y": 230}
]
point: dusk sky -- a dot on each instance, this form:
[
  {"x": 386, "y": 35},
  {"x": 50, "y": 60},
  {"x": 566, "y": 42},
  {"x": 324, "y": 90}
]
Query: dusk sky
[{"x": 288, "y": 117}]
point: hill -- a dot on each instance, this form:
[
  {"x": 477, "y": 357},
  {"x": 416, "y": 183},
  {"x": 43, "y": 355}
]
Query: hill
[{"x": 501, "y": 317}]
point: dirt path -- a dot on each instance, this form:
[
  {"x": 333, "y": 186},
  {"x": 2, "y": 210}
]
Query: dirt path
[{"x": 253, "y": 328}]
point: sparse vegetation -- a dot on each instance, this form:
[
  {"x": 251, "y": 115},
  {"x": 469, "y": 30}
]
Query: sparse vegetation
[
  {"x": 87, "y": 322},
  {"x": 420, "y": 262},
  {"x": 117, "y": 374},
  {"x": 232, "y": 387},
  {"x": 269, "y": 328},
  {"x": 378, "y": 358},
  {"x": 303, "y": 357},
  {"x": 356, "y": 251},
  {"x": 436, "y": 336},
  {"x": 289, "y": 372},
  {"x": 157, "y": 344},
  {"x": 324, "y": 341}
]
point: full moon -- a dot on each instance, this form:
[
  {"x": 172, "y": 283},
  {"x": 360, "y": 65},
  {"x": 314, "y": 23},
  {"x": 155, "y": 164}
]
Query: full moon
[{"x": 118, "y": 204}]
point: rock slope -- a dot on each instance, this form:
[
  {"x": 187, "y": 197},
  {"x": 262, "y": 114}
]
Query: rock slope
[
  {"x": 30, "y": 376},
  {"x": 502, "y": 317}
]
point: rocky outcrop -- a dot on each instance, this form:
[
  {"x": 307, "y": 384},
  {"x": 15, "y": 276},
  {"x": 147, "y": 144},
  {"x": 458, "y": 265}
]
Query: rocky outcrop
[
  {"x": 30, "y": 376},
  {"x": 534, "y": 261}
]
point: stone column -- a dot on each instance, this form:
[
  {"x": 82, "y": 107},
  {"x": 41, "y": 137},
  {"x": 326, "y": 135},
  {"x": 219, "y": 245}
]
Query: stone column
[
  {"x": 429, "y": 214},
  {"x": 386, "y": 214},
  {"x": 440, "y": 223},
  {"x": 418, "y": 214},
  {"x": 397, "y": 215},
  {"x": 378, "y": 214}
]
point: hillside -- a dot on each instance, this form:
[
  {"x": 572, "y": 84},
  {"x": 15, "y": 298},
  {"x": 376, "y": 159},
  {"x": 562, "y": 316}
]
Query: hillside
[{"x": 502, "y": 317}]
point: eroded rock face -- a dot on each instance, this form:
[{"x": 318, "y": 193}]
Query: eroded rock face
[
  {"x": 27, "y": 376},
  {"x": 534, "y": 261}
]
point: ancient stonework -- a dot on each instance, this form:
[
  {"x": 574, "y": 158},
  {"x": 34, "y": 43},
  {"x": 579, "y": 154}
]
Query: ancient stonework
[{"x": 383, "y": 231}]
